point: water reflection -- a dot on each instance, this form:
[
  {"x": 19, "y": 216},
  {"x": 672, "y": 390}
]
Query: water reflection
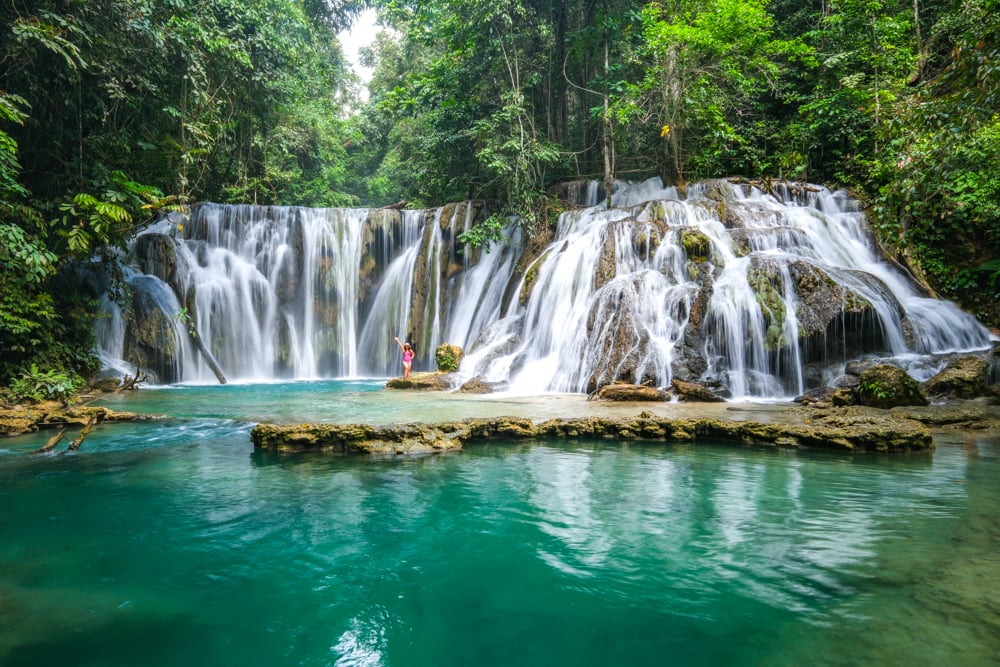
[{"x": 621, "y": 553}]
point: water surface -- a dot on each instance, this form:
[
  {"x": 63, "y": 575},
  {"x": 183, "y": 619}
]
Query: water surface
[{"x": 174, "y": 543}]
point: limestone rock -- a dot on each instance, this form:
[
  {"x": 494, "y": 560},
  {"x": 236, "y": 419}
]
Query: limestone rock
[
  {"x": 156, "y": 255},
  {"x": 21, "y": 419},
  {"x": 694, "y": 393},
  {"x": 886, "y": 386},
  {"x": 964, "y": 377},
  {"x": 631, "y": 392},
  {"x": 479, "y": 386},
  {"x": 424, "y": 382},
  {"x": 849, "y": 430},
  {"x": 448, "y": 357},
  {"x": 151, "y": 336}
]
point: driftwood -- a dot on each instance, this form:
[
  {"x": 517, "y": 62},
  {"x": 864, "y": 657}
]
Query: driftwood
[
  {"x": 75, "y": 445},
  {"x": 398, "y": 206},
  {"x": 130, "y": 382},
  {"x": 51, "y": 443}
]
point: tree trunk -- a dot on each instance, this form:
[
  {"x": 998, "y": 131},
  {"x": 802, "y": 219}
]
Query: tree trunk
[
  {"x": 75, "y": 445},
  {"x": 51, "y": 443}
]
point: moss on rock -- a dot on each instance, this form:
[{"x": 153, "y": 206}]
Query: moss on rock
[{"x": 886, "y": 386}]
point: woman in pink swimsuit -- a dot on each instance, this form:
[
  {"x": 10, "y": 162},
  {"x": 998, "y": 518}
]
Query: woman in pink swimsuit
[{"x": 407, "y": 357}]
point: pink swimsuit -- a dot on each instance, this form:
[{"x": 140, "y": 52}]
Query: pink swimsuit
[{"x": 407, "y": 356}]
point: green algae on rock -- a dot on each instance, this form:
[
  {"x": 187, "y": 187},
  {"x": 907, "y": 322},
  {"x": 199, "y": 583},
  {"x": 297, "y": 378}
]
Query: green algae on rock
[
  {"x": 21, "y": 419},
  {"x": 849, "y": 432}
]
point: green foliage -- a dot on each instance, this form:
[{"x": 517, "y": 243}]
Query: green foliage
[
  {"x": 36, "y": 385},
  {"x": 445, "y": 359},
  {"x": 227, "y": 100},
  {"x": 936, "y": 197},
  {"x": 874, "y": 391},
  {"x": 489, "y": 231},
  {"x": 251, "y": 101}
]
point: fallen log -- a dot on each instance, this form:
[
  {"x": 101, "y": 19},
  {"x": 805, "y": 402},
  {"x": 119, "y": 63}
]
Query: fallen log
[
  {"x": 75, "y": 445},
  {"x": 51, "y": 443}
]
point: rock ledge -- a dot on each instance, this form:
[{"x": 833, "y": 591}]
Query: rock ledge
[{"x": 848, "y": 432}]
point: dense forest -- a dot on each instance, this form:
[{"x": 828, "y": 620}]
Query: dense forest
[{"x": 113, "y": 111}]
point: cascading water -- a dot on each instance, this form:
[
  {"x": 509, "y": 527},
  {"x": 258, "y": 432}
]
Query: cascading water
[{"x": 755, "y": 294}]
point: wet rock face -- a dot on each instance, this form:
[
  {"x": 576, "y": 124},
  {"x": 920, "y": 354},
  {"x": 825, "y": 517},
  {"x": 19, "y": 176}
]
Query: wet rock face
[
  {"x": 156, "y": 256},
  {"x": 694, "y": 393},
  {"x": 964, "y": 377},
  {"x": 834, "y": 316},
  {"x": 618, "y": 339},
  {"x": 886, "y": 386},
  {"x": 480, "y": 386},
  {"x": 151, "y": 339}
]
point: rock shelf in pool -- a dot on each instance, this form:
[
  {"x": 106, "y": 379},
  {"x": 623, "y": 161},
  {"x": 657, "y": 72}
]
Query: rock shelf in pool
[
  {"x": 21, "y": 419},
  {"x": 844, "y": 430}
]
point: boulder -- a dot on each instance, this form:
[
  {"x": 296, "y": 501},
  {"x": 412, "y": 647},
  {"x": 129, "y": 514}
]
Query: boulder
[
  {"x": 886, "y": 386},
  {"x": 423, "y": 382},
  {"x": 157, "y": 256},
  {"x": 151, "y": 340},
  {"x": 631, "y": 392},
  {"x": 692, "y": 392},
  {"x": 964, "y": 377},
  {"x": 448, "y": 357},
  {"x": 479, "y": 386}
]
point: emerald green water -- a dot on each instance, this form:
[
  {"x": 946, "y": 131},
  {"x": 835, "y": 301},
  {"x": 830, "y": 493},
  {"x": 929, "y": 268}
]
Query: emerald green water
[{"x": 174, "y": 543}]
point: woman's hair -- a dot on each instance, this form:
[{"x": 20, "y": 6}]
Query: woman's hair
[{"x": 406, "y": 346}]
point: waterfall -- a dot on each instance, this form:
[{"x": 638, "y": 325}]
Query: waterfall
[{"x": 753, "y": 293}]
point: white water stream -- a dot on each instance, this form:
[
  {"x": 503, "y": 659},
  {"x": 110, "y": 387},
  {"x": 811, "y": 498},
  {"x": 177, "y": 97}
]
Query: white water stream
[{"x": 658, "y": 287}]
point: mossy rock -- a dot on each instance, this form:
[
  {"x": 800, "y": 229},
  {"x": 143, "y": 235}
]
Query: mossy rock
[
  {"x": 631, "y": 392},
  {"x": 423, "y": 382},
  {"x": 448, "y": 357},
  {"x": 697, "y": 246},
  {"x": 886, "y": 386},
  {"x": 964, "y": 377},
  {"x": 767, "y": 286}
]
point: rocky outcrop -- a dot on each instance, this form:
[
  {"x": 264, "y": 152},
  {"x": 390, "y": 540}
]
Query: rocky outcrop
[
  {"x": 448, "y": 357},
  {"x": 479, "y": 386},
  {"x": 424, "y": 382},
  {"x": 856, "y": 431},
  {"x": 151, "y": 341},
  {"x": 886, "y": 386},
  {"x": 621, "y": 391},
  {"x": 964, "y": 377},
  {"x": 694, "y": 393},
  {"x": 21, "y": 419},
  {"x": 157, "y": 256}
]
